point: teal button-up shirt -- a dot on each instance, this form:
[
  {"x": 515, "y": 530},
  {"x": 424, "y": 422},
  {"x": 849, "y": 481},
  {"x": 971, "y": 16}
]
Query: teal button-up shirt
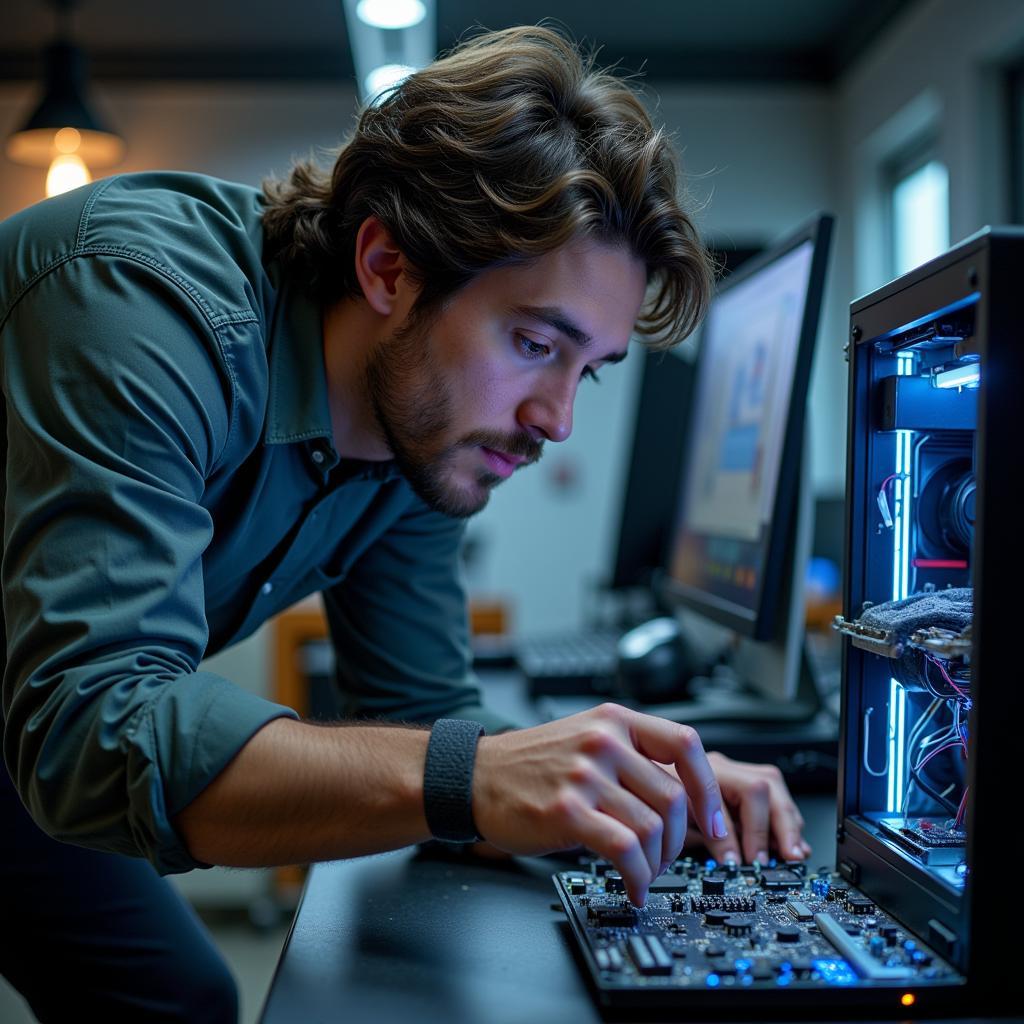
[{"x": 171, "y": 482}]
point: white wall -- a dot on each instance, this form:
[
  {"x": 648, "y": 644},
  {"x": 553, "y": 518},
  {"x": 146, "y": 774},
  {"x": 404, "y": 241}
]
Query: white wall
[{"x": 939, "y": 67}]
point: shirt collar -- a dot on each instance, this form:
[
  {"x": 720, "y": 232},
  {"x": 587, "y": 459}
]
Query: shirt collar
[
  {"x": 297, "y": 405},
  {"x": 298, "y": 409}
]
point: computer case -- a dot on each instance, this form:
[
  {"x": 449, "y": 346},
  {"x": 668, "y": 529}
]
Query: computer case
[{"x": 934, "y": 509}]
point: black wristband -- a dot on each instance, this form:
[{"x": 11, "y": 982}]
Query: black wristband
[{"x": 448, "y": 780}]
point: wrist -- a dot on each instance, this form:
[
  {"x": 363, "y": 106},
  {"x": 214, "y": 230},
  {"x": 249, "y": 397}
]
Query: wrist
[{"x": 448, "y": 780}]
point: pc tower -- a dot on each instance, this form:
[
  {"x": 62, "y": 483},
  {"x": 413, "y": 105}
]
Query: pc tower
[
  {"x": 931, "y": 702},
  {"x": 916, "y": 916}
]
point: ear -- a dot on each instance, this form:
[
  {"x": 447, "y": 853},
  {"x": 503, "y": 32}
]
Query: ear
[{"x": 381, "y": 270}]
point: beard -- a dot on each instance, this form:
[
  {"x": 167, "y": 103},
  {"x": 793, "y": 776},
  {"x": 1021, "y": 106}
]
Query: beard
[{"x": 413, "y": 406}]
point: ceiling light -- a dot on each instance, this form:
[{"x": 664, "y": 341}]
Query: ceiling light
[{"x": 391, "y": 13}]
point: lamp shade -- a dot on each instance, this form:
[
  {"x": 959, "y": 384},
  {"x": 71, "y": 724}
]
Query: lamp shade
[{"x": 63, "y": 106}]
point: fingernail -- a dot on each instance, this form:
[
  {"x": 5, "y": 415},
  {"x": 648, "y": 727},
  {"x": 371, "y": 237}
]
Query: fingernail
[
  {"x": 718, "y": 825},
  {"x": 730, "y": 855},
  {"x": 762, "y": 857},
  {"x": 798, "y": 851}
]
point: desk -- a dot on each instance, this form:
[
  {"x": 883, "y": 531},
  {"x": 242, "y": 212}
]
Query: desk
[
  {"x": 431, "y": 939},
  {"x": 445, "y": 937},
  {"x": 428, "y": 937}
]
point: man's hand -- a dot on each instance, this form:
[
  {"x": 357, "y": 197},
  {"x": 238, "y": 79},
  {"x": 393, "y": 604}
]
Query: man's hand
[
  {"x": 760, "y": 814},
  {"x": 598, "y": 779}
]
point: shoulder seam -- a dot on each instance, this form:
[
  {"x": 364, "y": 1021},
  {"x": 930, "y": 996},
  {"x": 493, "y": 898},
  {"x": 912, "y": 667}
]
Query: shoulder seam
[
  {"x": 214, "y": 321},
  {"x": 83, "y": 220}
]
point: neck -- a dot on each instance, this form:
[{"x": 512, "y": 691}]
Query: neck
[{"x": 349, "y": 335}]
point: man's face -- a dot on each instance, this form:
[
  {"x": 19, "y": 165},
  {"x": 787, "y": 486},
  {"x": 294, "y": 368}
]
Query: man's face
[{"x": 464, "y": 399}]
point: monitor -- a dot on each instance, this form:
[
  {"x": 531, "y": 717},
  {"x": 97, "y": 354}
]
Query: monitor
[
  {"x": 660, "y": 421},
  {"x": 743, "y": 525}
]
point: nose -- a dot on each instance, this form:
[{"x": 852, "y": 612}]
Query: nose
[{"x": 547, "y": 412}]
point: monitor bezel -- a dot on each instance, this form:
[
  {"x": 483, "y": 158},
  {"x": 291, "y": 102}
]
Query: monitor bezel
[{"x": 763, "y": 621}]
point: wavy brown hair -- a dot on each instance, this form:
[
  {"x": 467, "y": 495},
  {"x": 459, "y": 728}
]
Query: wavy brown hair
[{"x": 510, "y": 146}]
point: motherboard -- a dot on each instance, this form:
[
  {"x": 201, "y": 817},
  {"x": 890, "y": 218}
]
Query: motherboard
[{"x": 709, "y": 929}]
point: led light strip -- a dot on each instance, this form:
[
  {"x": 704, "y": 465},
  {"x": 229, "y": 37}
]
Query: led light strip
[{"x": 900, "y": 589}]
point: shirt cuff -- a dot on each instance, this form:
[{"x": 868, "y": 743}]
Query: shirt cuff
[{"x": 188, "y": 737}]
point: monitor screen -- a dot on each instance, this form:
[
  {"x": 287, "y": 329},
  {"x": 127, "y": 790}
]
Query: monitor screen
[
  {"x": 660, "y": 421},
  {"x": 742, "y": 463}
]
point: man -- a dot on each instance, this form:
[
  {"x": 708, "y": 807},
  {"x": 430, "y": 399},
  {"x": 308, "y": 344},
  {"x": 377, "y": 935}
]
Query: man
[{"x": 217, "y": 403}]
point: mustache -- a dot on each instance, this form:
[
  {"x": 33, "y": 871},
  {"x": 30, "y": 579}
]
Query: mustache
[{"x": 512, "y": 444}]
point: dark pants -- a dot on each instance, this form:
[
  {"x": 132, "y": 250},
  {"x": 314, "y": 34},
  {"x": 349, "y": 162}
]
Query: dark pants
[{"x": 86, "y": 935}]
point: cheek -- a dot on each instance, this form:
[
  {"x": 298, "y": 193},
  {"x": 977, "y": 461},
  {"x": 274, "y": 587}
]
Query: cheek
[{"x": 486, "y": 394}]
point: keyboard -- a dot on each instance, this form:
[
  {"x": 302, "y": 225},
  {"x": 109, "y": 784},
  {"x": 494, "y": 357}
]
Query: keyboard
[{"x": 563, "y": 664}]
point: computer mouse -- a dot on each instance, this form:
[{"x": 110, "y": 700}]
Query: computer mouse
[{"x": 653, "y": 667}]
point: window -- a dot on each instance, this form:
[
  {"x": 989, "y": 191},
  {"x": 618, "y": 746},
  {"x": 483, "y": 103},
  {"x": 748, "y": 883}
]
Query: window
[{"x": 918, "y": 209}]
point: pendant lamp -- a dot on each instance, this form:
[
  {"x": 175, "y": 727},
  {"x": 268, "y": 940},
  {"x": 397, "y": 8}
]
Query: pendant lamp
[{"x": 62, "y": 133}]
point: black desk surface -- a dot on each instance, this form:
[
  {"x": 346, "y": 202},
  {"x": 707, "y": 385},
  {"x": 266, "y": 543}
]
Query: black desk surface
[
  {"x": 437, "y": 935},
  {"x": 420, "y": 936}
]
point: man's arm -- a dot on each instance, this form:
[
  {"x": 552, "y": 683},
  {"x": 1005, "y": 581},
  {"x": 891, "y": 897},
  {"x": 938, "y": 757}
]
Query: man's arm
[
  {"x": 300, "y": 792},
  {"x": 118, "y": 407}
]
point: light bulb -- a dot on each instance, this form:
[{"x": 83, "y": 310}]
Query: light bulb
[
  {"x": 391, "y": 13},
  {"x": 67, "y": 171}
]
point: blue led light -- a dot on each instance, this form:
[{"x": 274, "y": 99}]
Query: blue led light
[
  {"x": 783, "y": 979},
  {"x": 746, "y": 979},
  {"x": 713, "y": 981},
  {"x": 785, "y": 966},
  {"x": 909, "y": 945},
  {"x": 835, "y": 972},
  {"x": 742, "y": 964},
  {"x": 965, "y": 376},
  {"x": 710, "y": 865}
]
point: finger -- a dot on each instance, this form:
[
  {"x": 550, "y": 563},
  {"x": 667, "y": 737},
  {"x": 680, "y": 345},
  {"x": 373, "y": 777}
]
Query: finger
[
  {"x": 643, "y": 821},
  {"x": 755, "y": 819},
  {"x": 659, "y": 791},
  {"x": 613, "y": 841},
  {"x": 672, "y": 743},
  {"x": 725, "y": 850},
  {"x": 787, "y": 822}
]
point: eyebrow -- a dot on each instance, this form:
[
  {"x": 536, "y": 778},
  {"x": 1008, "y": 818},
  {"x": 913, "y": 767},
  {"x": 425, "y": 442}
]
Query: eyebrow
[{"x": 555, "y": 317}]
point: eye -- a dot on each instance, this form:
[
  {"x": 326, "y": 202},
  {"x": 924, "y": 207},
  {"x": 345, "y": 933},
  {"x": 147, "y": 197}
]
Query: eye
[
  {"x": 589, "y": 374},
  {"x": 532, "y": 349}
]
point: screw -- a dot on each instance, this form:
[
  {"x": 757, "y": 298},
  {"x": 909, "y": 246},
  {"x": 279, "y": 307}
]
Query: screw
[{"x": 856, "y": 333}]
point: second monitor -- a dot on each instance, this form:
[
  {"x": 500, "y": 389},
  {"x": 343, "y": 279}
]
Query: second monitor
[{"x": 742, "y": 534}]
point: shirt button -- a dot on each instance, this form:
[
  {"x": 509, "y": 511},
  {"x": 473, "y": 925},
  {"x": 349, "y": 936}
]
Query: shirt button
[
  {"x": 318, "y": 456},
  {"x": 266, "y": 588}
]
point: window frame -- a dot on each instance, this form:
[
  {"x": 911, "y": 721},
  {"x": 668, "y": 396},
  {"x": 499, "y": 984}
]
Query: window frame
[{"x": 895, "y": 170}]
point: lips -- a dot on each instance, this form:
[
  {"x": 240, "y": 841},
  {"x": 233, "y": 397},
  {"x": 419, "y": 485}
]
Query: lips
[{"x": 501, "y": 463}]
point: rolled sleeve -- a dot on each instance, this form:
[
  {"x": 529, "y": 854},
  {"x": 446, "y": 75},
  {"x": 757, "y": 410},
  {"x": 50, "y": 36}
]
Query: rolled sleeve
[{"x": 119, "y": 402}]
